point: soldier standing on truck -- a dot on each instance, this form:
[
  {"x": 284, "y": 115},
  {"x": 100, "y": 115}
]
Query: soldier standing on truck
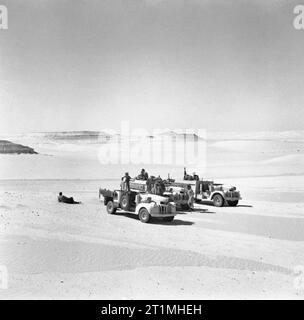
[
  {"x": 149, "y": 184},
  {"x": 126, "y": 182}
]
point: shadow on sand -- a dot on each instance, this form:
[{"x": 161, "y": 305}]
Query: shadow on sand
[
  {"x": 197, "y": 210},
  {"x": 175, "y": 222},
  {"x": 209, "y": 203},
  {"x": 244, "y": 206}
]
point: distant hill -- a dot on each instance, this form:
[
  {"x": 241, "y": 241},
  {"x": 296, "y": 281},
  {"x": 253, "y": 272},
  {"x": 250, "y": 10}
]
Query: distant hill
[
  {"x": 182, "y": 135},
  {"x": 93, "y": 137},
  {"x": 73, "y": 135},
  {"x": 7, "y": 147}
]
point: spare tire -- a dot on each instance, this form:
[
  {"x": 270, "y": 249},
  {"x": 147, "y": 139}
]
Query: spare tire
[{"x": 125, "y": 202}]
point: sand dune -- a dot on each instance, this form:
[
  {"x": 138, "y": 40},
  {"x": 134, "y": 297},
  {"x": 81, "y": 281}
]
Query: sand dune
[
  {"x": 54, "y": 250},
  {"x": 59, "y": 251},
  {"x": 80, "y": 155}
]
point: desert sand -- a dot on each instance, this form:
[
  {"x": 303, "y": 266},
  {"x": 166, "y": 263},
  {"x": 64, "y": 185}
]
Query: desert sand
[{"x": 59, "y": 251}]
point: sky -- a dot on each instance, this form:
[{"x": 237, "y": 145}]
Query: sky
[{"x": 88, "y": 65}]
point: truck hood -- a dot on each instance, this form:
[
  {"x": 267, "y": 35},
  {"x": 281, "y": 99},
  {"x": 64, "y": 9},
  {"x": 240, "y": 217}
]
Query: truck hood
[{"x": 154, "y": 197}]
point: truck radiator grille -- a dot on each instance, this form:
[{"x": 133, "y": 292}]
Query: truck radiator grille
[
  {"x": 163, "y": 209},
  {"x": 232, "y": 194}
]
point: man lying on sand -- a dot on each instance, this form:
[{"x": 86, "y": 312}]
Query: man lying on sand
[{"x": 62, "y": 198}]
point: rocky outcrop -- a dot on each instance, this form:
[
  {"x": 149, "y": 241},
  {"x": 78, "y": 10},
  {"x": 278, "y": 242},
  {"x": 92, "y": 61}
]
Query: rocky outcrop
[{"x": 7, "y": 147}]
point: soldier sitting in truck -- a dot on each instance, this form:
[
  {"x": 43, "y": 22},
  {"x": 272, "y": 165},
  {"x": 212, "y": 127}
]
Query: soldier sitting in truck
[
  {"x": 143, "y": 175},
  {"x": 189, "y": 177}
]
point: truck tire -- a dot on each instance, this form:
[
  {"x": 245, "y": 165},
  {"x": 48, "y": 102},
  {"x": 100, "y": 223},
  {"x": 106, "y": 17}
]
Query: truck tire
[
  {"x": 144, "y": 215},
  {"x": 169, "y": 219},
  {"x": 125, "y": 202},
  {"x": 185, "y": 206},
  {"x": 110, "y": 207},
  {"x": 233, "y": 203},
  {"x": 218, "y": 200}
]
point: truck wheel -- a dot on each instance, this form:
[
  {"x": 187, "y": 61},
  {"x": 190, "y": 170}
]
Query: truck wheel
[
  {"x": 233, "y": 203},
  {"x": 218, "y": 200},
  {"x": 125, "y": 202},
  {"x": 169, "y": 219},
  {"x": 185, "y": 206},
  {"x": 110, "y": 207},
  {"x": 144, "y": 215}
]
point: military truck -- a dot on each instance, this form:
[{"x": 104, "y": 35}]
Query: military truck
[
  {"x": 145, "y": 205},
  {"x": 177, "y": 195},
  {"x": 206, "y": 190}
]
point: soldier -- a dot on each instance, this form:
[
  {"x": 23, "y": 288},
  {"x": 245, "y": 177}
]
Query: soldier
[
  {"x": 143, "y": 175},
  {"x": 126, "y": 182},
  {"x": 187, "y": 176},
  {"x": 191, "y": 197},
  {"x": 195, "y": 176},
  {"x": 64, "y": 199},
  {"x": 159, "y": 186},
  {"x": 149, "y": 184}
]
